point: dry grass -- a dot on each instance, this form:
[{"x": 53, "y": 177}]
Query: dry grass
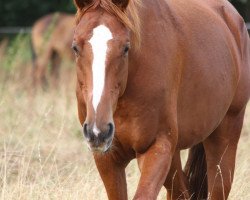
[{"x": 42, "y": 154}]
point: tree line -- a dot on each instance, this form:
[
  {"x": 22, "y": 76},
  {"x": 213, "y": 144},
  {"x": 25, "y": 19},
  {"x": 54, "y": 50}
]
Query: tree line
[
  {"x": 25, "y": 13},
  {"x": 243, "y": 7}
]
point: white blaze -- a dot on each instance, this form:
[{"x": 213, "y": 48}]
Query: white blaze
[
  {"x": 99, "y": 40},
  {"x": 96, "y": 130}
]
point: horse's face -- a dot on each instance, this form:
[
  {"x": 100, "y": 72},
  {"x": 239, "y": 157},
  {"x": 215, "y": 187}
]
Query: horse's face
[{"x": 101, "y": 44}]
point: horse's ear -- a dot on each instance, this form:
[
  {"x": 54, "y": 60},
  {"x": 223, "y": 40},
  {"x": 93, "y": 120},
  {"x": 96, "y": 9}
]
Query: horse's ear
[
  {"x": 121, "y": 3},
  {"x": 80, "y": 4}
]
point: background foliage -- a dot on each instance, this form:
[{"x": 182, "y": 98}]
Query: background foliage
[
  {"x": 243, "y": 6},
  {"x": 25, "y": 13}
]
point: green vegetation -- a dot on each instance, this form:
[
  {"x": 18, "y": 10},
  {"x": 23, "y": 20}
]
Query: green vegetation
[
  {"x": 18, "y": 49},
  {"x": 243, "y": 7},
  {"x": 25, "y": 13}
]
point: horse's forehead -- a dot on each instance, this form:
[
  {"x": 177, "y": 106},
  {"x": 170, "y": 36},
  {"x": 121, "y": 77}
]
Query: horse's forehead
[
  {"x": 91, "y": 20},
  {"x": 85, "y": 26},
  {"x": 101, "y": 34}
]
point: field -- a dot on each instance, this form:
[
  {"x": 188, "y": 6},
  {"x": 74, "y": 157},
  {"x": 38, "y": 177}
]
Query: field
[{"x": 42, "y": 153}]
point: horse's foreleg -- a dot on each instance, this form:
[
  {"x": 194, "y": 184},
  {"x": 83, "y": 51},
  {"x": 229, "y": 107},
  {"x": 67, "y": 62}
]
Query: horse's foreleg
[
  {"x": 112, "y": 173},
  {"x": 55, "y": 68},
  {"x": 154, "y": 165},
  {"x": 40, "y": 67},
  {"x": 176, "y": 182},
  {"x": 39, "y": 72}
]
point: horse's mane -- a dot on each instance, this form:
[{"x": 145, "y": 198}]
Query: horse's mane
[{"x": 129, "y": 17}]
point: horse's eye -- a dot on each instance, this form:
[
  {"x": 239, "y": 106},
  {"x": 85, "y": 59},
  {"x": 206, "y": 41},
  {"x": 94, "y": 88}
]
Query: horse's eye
[
  {"x": 126, "y": 49},
  {"x": 75, "y": 49}
]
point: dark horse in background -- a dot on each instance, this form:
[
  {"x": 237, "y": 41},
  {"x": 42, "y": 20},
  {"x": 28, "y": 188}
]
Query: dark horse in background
[
  {"x": 156, "y": 77},
  {"x": 51, "y": 42}
]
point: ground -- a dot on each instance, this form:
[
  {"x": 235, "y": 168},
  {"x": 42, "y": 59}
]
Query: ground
[{"x": 42, "y": 151}]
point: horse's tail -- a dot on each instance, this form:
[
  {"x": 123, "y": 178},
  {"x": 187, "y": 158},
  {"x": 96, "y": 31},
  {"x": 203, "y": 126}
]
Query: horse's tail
[{"x": 196, "y": 172}]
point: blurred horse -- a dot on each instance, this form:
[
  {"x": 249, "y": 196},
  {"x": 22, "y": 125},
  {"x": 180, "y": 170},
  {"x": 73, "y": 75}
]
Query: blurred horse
[
  {"x": 51, "y": 41},
  {"x": 156, "y": 77}
]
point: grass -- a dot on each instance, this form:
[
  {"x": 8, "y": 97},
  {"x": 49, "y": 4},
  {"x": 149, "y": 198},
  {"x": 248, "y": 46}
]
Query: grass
[{"x": 42, "y": 154}]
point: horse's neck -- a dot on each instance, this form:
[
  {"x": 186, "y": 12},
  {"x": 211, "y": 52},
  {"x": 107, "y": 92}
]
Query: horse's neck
[
  {"x": 149, "y": 64},
  {"x": 159, "y": 39}
]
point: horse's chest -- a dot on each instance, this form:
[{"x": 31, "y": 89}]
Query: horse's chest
[{"x": 136, "y": 133}]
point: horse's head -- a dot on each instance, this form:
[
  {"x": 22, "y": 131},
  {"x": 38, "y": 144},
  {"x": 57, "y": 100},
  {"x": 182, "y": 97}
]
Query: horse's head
[{"x": 101, "y": 44}]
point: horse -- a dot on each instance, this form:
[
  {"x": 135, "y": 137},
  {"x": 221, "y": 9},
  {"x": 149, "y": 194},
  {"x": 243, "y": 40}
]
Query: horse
[
  {"x": 51, "y": 38},
  {"x": 157, "y": 77}
]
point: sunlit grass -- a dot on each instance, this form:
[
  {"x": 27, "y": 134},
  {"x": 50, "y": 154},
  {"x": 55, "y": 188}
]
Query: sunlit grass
[{"x": 42, "y": 154}]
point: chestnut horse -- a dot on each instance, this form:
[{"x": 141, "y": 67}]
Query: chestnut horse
[
  {"x": 156, "y": 77},
  {"x": 51, "y": 41}
]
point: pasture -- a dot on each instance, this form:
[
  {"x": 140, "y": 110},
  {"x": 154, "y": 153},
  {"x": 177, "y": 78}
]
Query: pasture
[{"x": 42, "y": 152}]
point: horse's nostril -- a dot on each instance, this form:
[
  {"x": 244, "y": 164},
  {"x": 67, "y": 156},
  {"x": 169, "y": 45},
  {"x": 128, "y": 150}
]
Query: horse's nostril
[
  {"x": 110, "y": 130},
  {"x": 107, "y": 134},
  {"x": 86, "y": 131},
  {"x": 100, "y": 138}
]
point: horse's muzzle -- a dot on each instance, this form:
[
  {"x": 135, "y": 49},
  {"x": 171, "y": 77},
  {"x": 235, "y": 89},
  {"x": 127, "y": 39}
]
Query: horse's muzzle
[{"x": 99, "y": 141}]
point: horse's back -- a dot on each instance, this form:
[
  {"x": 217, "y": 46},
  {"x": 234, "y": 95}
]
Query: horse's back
[
  {"x": 38, "y": 31},
  {"x": 51, "y": 28},
  {"x": 214, "y": 46},
  {"x": 63, "y": 34},
  {"x": 216, "y": 81}
]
